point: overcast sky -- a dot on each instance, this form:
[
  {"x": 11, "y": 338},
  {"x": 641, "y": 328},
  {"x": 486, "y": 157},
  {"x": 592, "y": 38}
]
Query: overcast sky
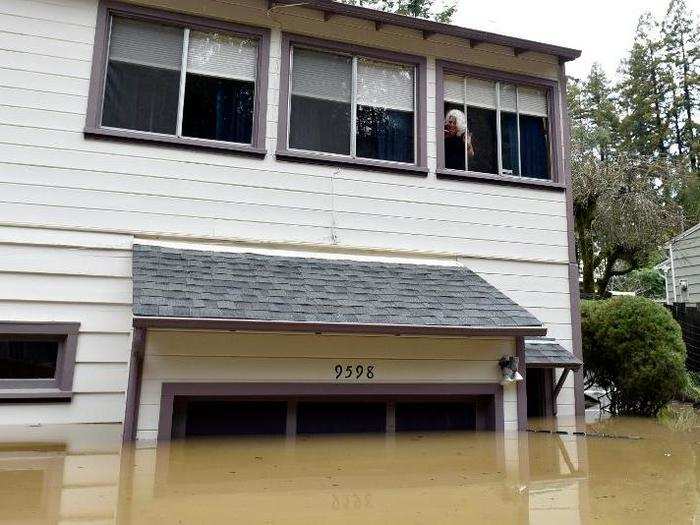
[{"x": 602, "y": 29}]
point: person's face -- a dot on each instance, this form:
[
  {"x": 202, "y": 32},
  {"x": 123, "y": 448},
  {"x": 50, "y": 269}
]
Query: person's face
[{"x": 451, "y": 128}]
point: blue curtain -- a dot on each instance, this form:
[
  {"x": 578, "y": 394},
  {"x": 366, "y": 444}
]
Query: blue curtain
[
  {"x": 385, "y": 134},
  {"x": 534, "y": 147}
]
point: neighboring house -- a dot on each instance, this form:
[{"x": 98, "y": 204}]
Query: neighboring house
[
  {"x": 247, "y": 218},
  {"x": 682, "y": 268}
]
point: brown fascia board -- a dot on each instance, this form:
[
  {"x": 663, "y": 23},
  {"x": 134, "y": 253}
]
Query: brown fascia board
[
  {"x": 429, "y": 27},
  {"x": 185, "y": 323}
]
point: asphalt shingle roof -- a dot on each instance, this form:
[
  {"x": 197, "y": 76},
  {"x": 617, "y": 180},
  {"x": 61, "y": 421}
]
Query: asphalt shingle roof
[
  {"x": 199, "y": 284},
  {"x": 546, "y": 353}
]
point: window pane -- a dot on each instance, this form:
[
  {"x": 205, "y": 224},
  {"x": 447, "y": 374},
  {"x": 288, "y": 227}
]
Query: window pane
[
  {"x": 384, "y": 134},
  {"x": 220, "y": 87},
  {"x": 454, "y": 137},
  {"x": 481, "y": 124},
  {"x": 28, "y": 359},
  {"x": 385, "y": 117},
  {"x": 143, "y": 77},
  {"x": 218, "y": 109},
  {"x": 534, "y": 145},
  {"x": 509, "y": 143},
  {"x": 319, "y": 117}
]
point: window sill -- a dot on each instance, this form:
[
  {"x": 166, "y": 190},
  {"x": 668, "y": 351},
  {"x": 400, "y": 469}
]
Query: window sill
[
  {"x": 333, "y": 160},
  {"x": 506, "y": 180},
  {"x": 35, "y": 394},
  {"x": 174, "y": 141}
]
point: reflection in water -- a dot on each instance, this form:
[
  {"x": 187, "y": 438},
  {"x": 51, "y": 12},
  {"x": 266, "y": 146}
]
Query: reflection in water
[{"x": 79, "y": 474}]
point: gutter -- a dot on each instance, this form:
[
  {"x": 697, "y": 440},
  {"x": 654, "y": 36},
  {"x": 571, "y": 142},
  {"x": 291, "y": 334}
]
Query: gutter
[{"x": 187, "y": 323}]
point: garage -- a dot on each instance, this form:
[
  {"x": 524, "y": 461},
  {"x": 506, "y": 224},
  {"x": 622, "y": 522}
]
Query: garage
[
  {"x": 195, "y": 416},
  {"x": 258, "y": 344}
]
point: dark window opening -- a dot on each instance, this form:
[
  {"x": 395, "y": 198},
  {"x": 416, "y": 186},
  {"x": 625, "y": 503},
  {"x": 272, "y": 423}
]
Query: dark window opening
[
  {"x": 141, "y": 98},
  {"x": 319, "y": 125},
  {"x": 218, "y": 109},
  {"x": 340, "y": 418},
  {"x": 435, "y": 416},
  {"x": 385, "y": 134},
  {"x": 509, "y": 143},
  {"x": 534, "y": 144},
  {"x": 28, "y": 359},
  {"x": 233, "y": 418},
  {"x": 481, "y": 124}
]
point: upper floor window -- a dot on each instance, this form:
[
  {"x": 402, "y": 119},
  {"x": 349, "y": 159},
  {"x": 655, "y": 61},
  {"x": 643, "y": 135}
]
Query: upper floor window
[
  {"x": 341, "y": 103},
  {"x": 165, "y": 79},
  {"x": 496, "y": 127},
  {"x": 351, "y": 105},
  {"x": 178, "y": 79}
]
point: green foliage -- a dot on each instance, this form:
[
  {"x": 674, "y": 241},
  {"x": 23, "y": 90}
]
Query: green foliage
[
  {"x": 679, "y": 417},
  {"x": 428, "y": 9},
  {"x": 633, "y": 348},
  {"x": 645, "y": 282}
]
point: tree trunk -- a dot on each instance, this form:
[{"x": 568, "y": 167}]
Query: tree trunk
[{"x": 688, "y": 104}]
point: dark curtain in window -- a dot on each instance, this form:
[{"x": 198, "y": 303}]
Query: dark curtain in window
[
  {"x": 481, "y": 123},
  {"x": 509, "y": 143},
  {"x": 384, "y": 134},
  {"x": 454, "y": 146},
  {"x": 218, "y": 109},
  {"x": 28, "y": 359},
  {"x": 141, "y": 98},
  {"x": 319, "y": 125},
  {"x": 534, "y": 145}
]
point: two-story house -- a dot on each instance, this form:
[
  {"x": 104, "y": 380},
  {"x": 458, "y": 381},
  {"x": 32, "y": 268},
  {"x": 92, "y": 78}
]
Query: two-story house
[{"x": 281, "y": 216}]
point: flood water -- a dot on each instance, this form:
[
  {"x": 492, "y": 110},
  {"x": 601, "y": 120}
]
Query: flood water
[{"x": 80, "y": 474}]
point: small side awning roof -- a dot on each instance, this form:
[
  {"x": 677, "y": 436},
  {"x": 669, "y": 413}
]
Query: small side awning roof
[
  {"x": 183, "y": 288},
  {"x": 547, "y": 353}
]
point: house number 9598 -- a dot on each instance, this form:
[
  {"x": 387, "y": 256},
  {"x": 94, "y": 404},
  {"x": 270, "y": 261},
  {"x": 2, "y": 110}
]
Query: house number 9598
[{"x": 356, "y": 372}]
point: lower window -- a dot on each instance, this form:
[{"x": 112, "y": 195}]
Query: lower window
[{"x": 37, "y": 360}]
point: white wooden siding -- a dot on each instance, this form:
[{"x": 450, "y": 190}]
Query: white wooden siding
[
  {"x": 45, "y": 276},
  {"x": 686, "y": 260},
  {"x": 86, "y": 198}
]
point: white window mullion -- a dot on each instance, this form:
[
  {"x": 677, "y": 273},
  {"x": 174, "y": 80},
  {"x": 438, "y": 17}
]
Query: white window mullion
[
  {"x": 498, "y": 128},
  {"x": 517, "y": 123},
  {"x": 353, "y": 110},
  {"x": 183, "y": 79}
]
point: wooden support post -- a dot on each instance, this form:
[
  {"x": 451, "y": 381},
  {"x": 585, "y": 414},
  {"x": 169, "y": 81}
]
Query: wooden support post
[
  {"x": 133, "y": 393},
  {"x": 560, "y": 384}
]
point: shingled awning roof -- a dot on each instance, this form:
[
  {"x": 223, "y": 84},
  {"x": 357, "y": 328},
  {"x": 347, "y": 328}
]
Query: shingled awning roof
[
  {"x": 547, "y": 353},
  {"x": 252, "y": 291}
]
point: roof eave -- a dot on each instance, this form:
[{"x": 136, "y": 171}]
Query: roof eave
[
  {"x": 564, "y": 54},
  {"x": 250, "y": 325}
]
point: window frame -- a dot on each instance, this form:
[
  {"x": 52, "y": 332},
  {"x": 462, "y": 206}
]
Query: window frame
[
  {"x": 419, "y": 63},
  {"x": 60, "y": 387},
  {"x": 109, "y": 8},
  {"x": 552, "y": 87}
]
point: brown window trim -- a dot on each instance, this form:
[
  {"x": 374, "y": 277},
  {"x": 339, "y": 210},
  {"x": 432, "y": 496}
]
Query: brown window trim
[
  {"x": 59, "y": 388},
  {"x": 556, "y": 181},
  {"x": 420, "y": 167},
  {"x": 93, "y": 125}
]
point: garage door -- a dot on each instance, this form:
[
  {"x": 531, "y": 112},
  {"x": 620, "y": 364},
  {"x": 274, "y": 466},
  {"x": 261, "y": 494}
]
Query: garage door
[{"x": 235, "y": 417}]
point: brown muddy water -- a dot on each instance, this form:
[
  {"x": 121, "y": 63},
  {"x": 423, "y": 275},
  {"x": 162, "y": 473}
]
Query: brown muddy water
[{"x": 80, "y": 475}]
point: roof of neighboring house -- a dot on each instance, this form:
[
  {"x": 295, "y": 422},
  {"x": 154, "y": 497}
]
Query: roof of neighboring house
[
  {"x": 186, "y": 283},
  {"x": 428, "y": 27},
  {"x": 544, "y": 352},
  {"x": 685, "y": 234}
]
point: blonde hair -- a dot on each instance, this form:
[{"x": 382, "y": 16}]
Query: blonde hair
[{"x": 459, "y": 119}]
